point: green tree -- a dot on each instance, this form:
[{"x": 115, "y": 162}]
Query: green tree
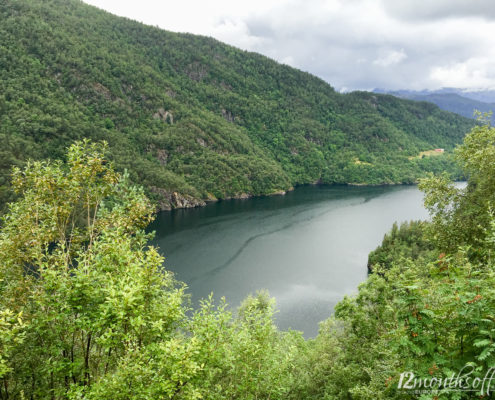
[
  {"x": 87, "y": 310},
  {"x": 75, "y": 263},
  {"x": 461, "y": 216}
]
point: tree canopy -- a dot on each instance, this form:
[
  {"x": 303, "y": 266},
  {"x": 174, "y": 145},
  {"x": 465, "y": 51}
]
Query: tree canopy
[{"x": 87, "y": 311}]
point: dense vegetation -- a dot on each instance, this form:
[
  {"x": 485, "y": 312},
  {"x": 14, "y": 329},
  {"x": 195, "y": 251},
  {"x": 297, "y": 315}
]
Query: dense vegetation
[
  {"x": 191, "y": 118},
  {"x": 88, "y": 312},
  {"x": 403, "y": 241}
]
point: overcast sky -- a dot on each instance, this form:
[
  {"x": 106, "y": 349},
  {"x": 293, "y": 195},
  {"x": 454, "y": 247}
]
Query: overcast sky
[{"x": 352, "y": 44}]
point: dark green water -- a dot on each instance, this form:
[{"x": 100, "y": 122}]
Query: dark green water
[{"x": 309, "y": 248}]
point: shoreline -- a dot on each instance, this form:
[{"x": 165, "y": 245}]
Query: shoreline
[
  {"x": 196, "y": 203},
  {"x": 190, "y": 202}
]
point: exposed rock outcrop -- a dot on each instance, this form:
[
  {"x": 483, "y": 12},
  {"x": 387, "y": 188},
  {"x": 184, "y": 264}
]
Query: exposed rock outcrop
[
  {"x": 279, "y": 193},
  {"x": 196, "y": 71},
  {"x": 227, "y": 115},
  {"x": 225, "y": 86},
  {"x": 169, "y": 200},
  {"x": 162, "y": 156},
  {"x": 201, "y": 142},
  {"x": 103, "y": 90},
  {"x": 164, "y": 115}
]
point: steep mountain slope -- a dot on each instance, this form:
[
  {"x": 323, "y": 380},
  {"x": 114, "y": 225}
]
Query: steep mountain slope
[
  {"x": 453, "y": 100},
  {"x": 191, "y": 118}
]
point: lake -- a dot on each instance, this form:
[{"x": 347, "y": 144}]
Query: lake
[{"x": 308, "y": 248}]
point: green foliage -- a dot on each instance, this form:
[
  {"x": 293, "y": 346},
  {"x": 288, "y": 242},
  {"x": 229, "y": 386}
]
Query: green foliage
[
  {"x": 75, "y": 265},
  {"x": 462, "y": 216},
  {"x": 187, "y": 114},
  {"x": 244, "y": 357},
  {"x": 10, "y": 336},
  {"x": 88, "y": 312},
  {"x": 405, "y": 241}
]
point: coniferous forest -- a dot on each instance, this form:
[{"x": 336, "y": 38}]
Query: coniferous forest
[{"x": 103, "y": 118}]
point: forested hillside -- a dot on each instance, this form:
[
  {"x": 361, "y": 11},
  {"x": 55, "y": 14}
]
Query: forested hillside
[{"x": 191, "y": 118}]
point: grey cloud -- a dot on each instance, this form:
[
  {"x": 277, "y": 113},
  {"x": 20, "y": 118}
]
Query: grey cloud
[
  {"x": 350, "y": 49},
  {"x": 439, "y": 9},
  {"x": 261, "y": 28}
]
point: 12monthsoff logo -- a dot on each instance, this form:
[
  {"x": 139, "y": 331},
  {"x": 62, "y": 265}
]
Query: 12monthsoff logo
[{"x": 464, "y": 381}]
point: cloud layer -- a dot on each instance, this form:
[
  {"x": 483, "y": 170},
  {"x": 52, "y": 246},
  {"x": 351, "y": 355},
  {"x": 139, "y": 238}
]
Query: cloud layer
[{"x": 352, "y": 44}]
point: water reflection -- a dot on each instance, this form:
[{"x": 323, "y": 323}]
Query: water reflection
[{"x": 308, "y": 248}]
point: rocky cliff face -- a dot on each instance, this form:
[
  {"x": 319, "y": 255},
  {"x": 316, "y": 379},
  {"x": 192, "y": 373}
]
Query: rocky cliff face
[{"x": 169, "y": 200}]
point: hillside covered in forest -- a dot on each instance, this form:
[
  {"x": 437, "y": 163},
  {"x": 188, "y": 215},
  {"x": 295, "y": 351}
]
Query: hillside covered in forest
[{"x": 193, "y": 119}]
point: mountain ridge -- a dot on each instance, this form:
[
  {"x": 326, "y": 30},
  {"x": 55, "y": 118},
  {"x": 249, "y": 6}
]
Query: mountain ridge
[
  {"x": 193, "y": 119},
  {"x": 459, "y": 101}
]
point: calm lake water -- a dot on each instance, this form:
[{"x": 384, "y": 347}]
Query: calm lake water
[{"x": 309, "y": 248}]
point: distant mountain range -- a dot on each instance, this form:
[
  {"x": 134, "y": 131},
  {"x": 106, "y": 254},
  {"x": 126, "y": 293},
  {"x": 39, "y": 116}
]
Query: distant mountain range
[{"x": 455, "y": 100}]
